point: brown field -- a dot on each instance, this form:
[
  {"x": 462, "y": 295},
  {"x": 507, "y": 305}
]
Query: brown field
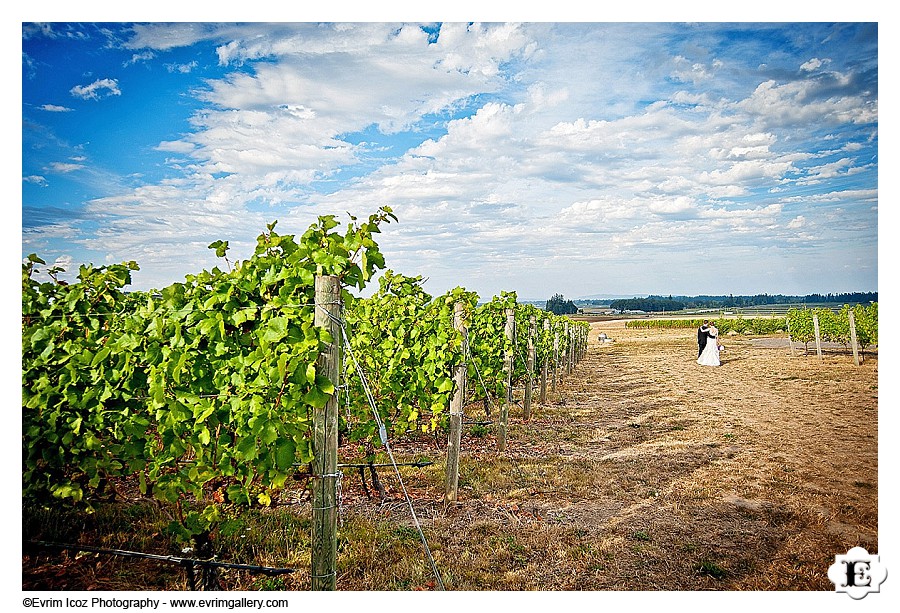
[{"x": 644, "y": 471}]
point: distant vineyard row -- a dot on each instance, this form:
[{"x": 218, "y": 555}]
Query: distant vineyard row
[
  {"x": 799, "y": 324},
  {"x": 756, "y": 325}
]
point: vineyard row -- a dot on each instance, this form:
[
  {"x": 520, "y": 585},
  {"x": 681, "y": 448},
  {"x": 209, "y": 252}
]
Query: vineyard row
[
  {"x": 834, "y": 326},
  {"x": 208, "y": 393}
]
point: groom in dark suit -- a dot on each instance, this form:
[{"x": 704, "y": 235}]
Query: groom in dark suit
[{"x": 702, "y": 335}]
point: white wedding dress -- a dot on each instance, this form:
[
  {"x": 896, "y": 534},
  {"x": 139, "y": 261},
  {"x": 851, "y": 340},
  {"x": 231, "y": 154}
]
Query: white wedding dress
[{"x": 710, "y": 355}]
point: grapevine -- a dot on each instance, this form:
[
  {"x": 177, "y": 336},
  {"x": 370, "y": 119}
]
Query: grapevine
[
  {"x": 835, "y": 327},
  {"x": 405, "y": 342},
  {"x": 202, "y": 391}
]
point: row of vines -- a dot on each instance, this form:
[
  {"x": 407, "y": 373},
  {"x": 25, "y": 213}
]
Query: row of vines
[
  {"x": 799, "y": 324},
  {"x": 755, "y": 325},
  {"x": 835, "y": 327},
  {"x": 203, "y": 393}
]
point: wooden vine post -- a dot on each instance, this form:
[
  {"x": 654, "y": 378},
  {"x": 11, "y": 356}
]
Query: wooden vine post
[
  {"x": 576, "y": 346},
  {"x": 790, "y": 338},
  {"x": 544, "y": 366},
  {"x": 456, "y": 408},
  {"x": 555, "y": 359},
  {"x": 818, "y": 336},
  {"x": 529, "y": 381},
  {"x": 853, "y": 341},
  {"x": 325, "y": 440},
  {"x": 510, "y": 333}
]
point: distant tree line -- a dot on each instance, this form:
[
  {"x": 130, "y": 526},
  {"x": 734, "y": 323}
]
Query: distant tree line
[
  {"x": 560, "y": 306},
  {"x": 677, "y": 303},
  {"x": 650, "y": 303}
]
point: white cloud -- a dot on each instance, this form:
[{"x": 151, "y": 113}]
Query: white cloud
[
  {"x": 798, "y": 103},
  {"x": 578, "y": 143},
  {"x": 36, "y": 179},
  {"x": 166, "y": 36},
  {"x": 97, "y": 89},
  {"x": 279, "y": 127},
  {"x": 506, "y": 181},
  {"x": 64, "y": 167},
  {"x": 167, "y": 227},
  {"x": 745, "y": 171},
  {"x": 844, "y": 196},
  {"x": 183, "y": 68},
  {"x": 64, "y": 261},
  {"x": 694, "y": 72},
  {"x": 144, "y": 56},
  {"x": 830, "y": 170},
  {"x": 813, "y": 64},
  {"x": 53, "y": 31},
  {"x": 366, "y": 74},
  {"x": 175, "y": 146},
  {"x": 675, "y": 206},
  {"x": 55, "y": 108}
]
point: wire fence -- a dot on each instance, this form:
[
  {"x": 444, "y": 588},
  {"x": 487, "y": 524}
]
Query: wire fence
[{"x": 208, "y": 576}]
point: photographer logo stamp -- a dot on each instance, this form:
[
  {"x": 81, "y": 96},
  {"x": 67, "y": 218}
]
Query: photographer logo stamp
[{"x": 857, "y": 573}]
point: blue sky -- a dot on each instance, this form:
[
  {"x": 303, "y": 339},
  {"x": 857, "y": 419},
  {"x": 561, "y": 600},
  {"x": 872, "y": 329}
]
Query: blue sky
[{"x": 543, "y": 157}]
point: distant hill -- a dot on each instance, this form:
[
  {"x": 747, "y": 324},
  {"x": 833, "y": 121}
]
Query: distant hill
[{"x": 610, "y": 297}]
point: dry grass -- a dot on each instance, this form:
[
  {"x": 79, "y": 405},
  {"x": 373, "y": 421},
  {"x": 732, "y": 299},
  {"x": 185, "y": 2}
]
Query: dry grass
[{"x": 644, "y": 472}]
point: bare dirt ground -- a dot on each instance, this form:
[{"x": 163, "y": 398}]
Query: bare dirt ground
[
  {"x": 642, "y": 471},
  {"x": 766, "y": 466},
  {"x": 758, "y": 471}
]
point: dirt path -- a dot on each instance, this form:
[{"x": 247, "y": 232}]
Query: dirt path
[{"x": 753, "y": 475}]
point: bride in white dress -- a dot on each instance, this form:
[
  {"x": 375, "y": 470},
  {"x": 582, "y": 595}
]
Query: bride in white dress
[{"x": 710, "y": 355}]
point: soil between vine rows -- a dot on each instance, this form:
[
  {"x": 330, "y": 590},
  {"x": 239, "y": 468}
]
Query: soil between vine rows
[{"x": 644, "y": 471}]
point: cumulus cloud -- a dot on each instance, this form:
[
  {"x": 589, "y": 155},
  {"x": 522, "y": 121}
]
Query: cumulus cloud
[
  {"x": 280, "y": 127},
  {"x": 654, "y": 174},
  {"x": 693, "y": 72},
  {"x": 541, "y": 143},
  {"x": 100, "y": 88},
  {"x": 801, "y": 102},
  {"x": 679, "y": 206}
]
